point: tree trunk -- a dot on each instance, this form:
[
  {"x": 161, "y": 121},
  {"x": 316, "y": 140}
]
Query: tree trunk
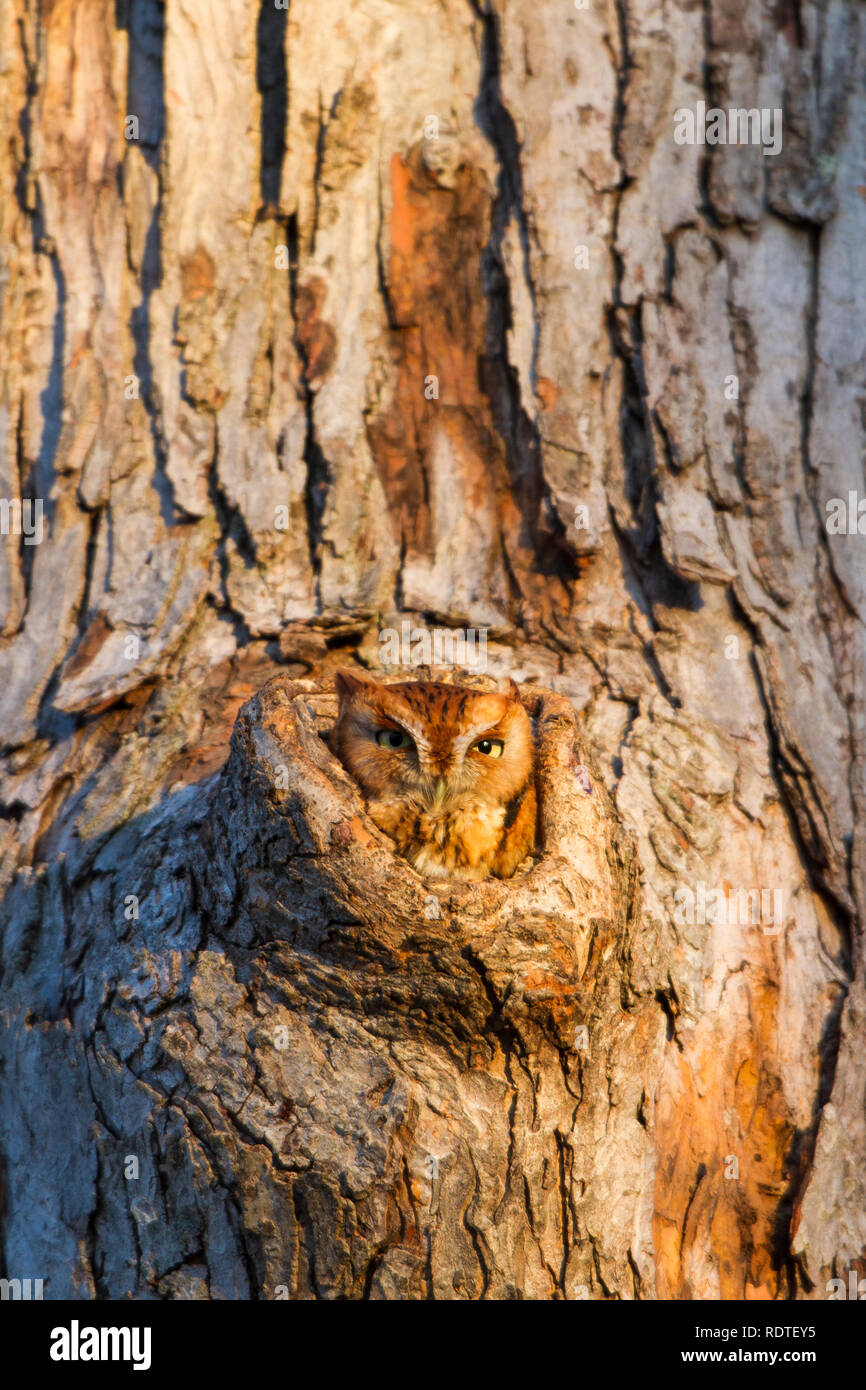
[{"x": 322, "y": 319}]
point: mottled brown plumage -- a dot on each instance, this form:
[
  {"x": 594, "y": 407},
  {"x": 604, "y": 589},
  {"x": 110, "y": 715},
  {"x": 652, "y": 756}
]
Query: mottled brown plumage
[{"x": 457, "y": 792}]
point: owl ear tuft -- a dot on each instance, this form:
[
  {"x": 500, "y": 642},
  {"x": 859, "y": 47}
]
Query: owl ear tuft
[
  {"x": 348, "y": 683},
  {"x": 510, "y": 687}
]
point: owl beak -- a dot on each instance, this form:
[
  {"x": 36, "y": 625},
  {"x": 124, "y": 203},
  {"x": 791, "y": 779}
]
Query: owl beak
[{"x": 440, "y": 788}]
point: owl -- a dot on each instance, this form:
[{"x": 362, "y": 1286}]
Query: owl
[{"x": 448, "y": 773}]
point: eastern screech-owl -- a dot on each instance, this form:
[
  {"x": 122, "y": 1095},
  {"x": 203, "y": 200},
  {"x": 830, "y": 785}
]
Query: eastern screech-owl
[{"x": 448, "y": 773}]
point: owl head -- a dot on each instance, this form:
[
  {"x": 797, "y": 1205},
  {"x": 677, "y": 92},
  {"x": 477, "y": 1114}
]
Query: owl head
[{"x": 432, "y": 744}]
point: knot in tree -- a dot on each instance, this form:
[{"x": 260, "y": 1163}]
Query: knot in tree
[{"x": 412, "y": 1085}]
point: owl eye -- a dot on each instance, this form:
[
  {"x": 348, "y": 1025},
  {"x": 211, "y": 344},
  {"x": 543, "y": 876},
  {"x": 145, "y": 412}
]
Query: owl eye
[
  {"x": 393, "y": 738},
  {"x": 490, "y": 747}
]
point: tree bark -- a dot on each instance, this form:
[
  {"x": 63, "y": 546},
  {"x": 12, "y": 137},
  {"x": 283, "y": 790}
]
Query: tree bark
[{"x": 298, "y": 345}]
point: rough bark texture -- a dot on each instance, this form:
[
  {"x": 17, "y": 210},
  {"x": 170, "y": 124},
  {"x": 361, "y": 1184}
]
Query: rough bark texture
[{"x": 218, "y": 968}]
